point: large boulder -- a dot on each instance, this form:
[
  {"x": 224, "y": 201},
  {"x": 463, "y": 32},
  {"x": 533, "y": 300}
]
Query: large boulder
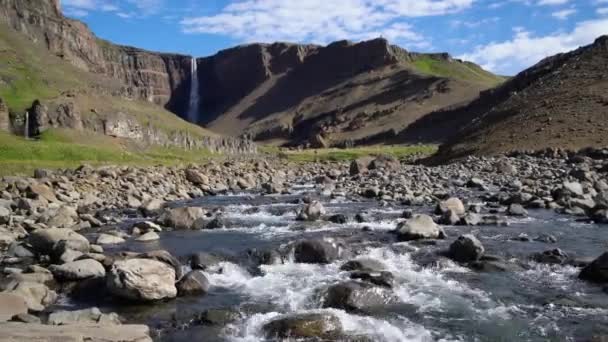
[
  {"x": 193, "y": 283},
  {"x": 316, "y": 252},
  {"x": 419, "y": 227},
  {"x": 554, "y": 256},
  {"x": 466, "y": 248},
  {"x": 182, "y": 218},
  {"x": 37, "y": 296},
  {"x": 79, "y": 270},
  {"x": 86, "y": 316},
  {"x": 41, "y": 191},
  {"x": 356, "y": 296},
  {"x": 196, "y": 177},
  {"x": 454, "y": 204},
  {"x": 323, "y": 326},
  {"x": 167, "y": 258},
  {"x": 44, "y": 241},
  {"x": 360, "y": 165},
  {"x": 385, "y": 162},
  {"x": 364, "y": 265},
  {"x": 311, "y": 212},
  {"x": 11, "y": 305},
  {"x": 74, "y": 333},
  {"x": 141, "y": 280},
  {"x": 597, "y": 271},
  {"x": 109, "y": 239},
  {"x": 64, "y": 217},
  {"x": 204, "y": 261}
]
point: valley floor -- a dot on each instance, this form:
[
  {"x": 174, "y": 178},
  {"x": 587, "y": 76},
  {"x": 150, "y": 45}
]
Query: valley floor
[{"x": 378, "y": 249}]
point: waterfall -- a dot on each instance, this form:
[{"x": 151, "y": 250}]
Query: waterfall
[
  {"x": 194, "y": 96},
  {"x": 26, "y": 126}
]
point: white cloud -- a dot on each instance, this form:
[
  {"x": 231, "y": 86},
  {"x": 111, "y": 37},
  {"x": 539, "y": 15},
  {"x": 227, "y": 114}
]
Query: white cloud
[
  {"x": 321, "y": 21},
  {"x": 81, "y": 8},
  {"x": 563, "y": 14},
  {"x": 552, "y": 2},
  {"x": 602, "y": 11},
  {"x": 524, "y": 49}
]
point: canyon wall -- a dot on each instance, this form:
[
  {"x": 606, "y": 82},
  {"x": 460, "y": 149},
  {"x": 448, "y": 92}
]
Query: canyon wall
[{"x": 156, "y": 77}]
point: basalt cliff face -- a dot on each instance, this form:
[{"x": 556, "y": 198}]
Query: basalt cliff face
[
  {"x": 78, "y": 82},
  {"x": 155, "y": 77},
  {"x": 344, "y": 93},
  {"x": 341, "y": 94}
]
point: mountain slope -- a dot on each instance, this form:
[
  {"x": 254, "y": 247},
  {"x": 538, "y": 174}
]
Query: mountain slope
[
  {"x": 343, "y": 92},
  {"x": 560, "y": 102},
  {"x": 58, "y": 94}
]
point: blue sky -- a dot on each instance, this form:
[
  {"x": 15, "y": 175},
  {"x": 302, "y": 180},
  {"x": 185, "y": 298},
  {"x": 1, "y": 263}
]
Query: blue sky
[{"x": 504, "y": 36}]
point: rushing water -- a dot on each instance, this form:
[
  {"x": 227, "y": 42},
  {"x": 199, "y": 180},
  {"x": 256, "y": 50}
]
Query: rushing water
[
  {"x": 437, "y": 300},
  {"x": 194, "y": 95}
]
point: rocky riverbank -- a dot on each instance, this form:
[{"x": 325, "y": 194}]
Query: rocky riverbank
[{"x": 65, "y": 235}]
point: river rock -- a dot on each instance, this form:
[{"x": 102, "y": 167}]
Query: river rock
[
  {"x": 454, "y": 204},
  {"x": 517, "y": 210},
  {"x": 466, "y": 248},
  {"x": 196, "y": 177},
  {"x": 204, "y": 261},
  {"x": 555, "y": 256},
  {"x": 11, "y": 305},
  {"x": 74, "y": 333},
  {"x": 152, "y": 206},
  {"x": 142, "y": 280},
  {"x": 419, "y": 227},
  {"x": 384, "y": 278},
  {"x": 356, "y": 296},
  {"x": 167, "y": 258},
  {"x": 148, "y": 237},
  {"x": 44, "y": 240},
  {"x": 79, "y": 270},
  {"x": 86, "y": 316},
  {"x": 597, "y": 271},
  {"x": 37, "y": 296},
  {"x": 107, "y": 239},
  {"x": 323, "y": 326},
  {"x": 316, "y": 252},
  {"x": 64, "y": 217},
  {"x": 360, "y": 165},
  {"x": 182, "y": 218},
  {"x": 311, "y": 212},
  {"x": 385, "y": 163},
  {"x": 193, "y": 283},
  {"x": 41, "y": 191},
  {"x": 338, "y": 219},
  {"x": 365, "y": 265}
]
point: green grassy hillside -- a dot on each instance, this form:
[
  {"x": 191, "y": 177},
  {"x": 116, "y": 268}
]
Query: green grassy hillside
[
  {"x": 29, "y": 72},
  {"x": 58, "y": 148},
  {"x": 464, "y": 71}
]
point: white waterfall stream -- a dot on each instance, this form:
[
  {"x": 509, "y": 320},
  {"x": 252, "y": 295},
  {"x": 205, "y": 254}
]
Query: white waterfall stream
[{"x": 194, "y": 95}]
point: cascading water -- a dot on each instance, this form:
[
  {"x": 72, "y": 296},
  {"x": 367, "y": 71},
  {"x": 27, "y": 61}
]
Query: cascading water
[
  {"x": 26, "y": 125},
  {"x": 194, "y": 95}
]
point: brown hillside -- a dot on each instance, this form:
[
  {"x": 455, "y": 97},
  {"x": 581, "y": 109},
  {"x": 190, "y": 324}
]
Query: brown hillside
[{"x": 560, "y": 102}]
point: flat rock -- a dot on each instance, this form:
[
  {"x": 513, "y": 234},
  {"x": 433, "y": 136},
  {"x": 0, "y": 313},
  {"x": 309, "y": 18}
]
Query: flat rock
[
  {"x": 79, "y": 270},
  {"x": 107, "y": 239},
  {"x": 86, "y": 316},
  {"x": 11, "y": 305},
  {"x": 43, "y": 241},
  {"x": 147, "y": 237},
  {"x": 15, "y": 332}
]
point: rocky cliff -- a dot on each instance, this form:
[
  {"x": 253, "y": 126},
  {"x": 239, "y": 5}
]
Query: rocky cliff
[
  {"x": 559, "y": 102},
  {"x": 299, "y": 94},
  {"x": 160, "y": 78}
]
